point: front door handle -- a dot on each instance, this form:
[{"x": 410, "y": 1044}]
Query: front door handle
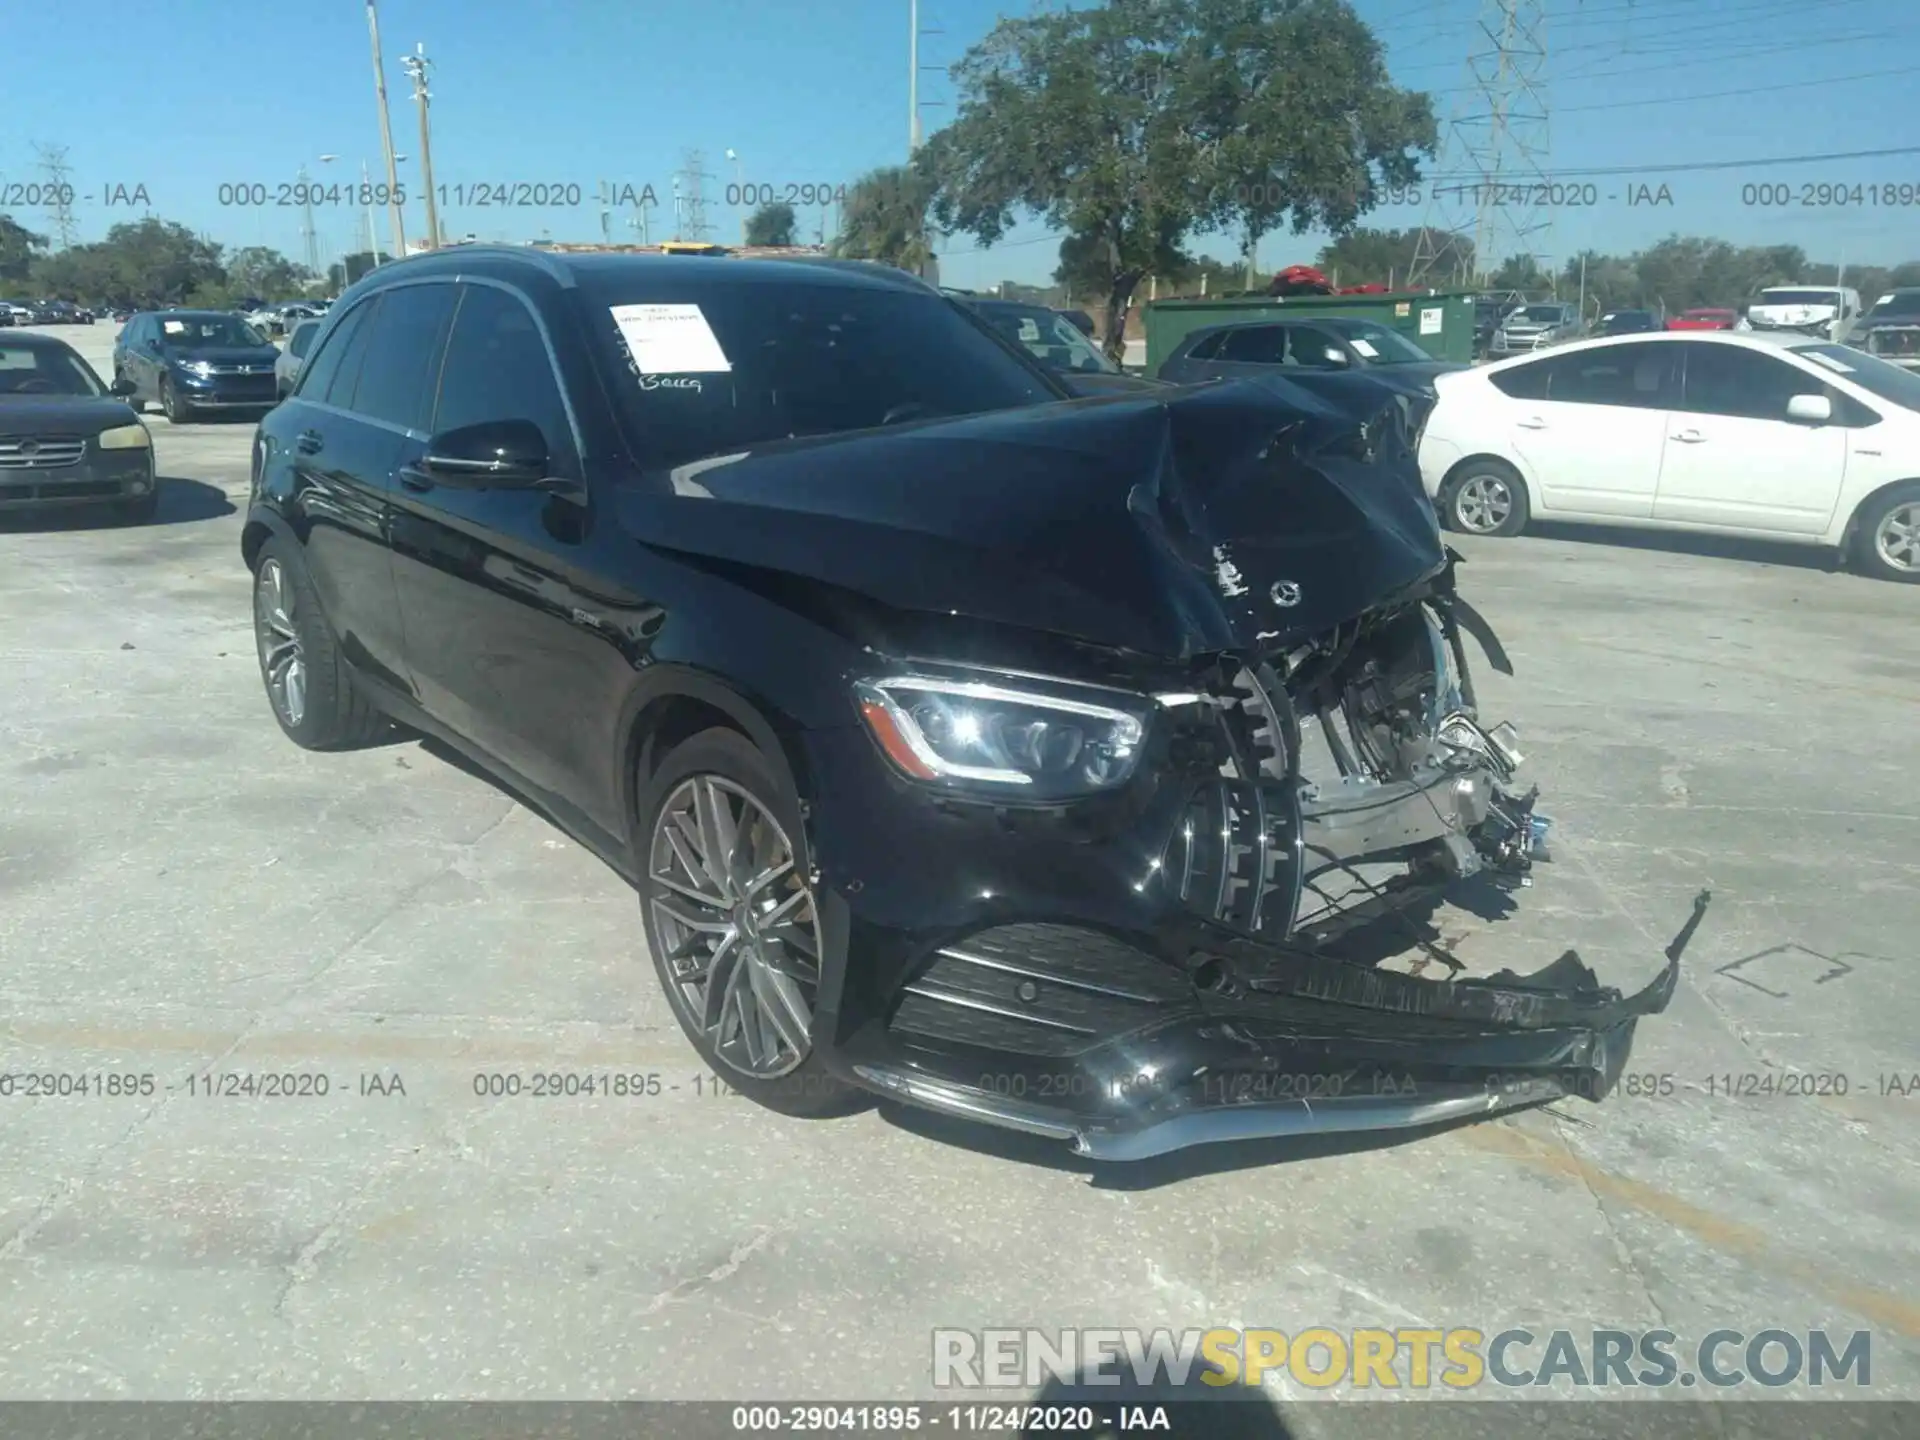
[
  {"x": 309, "y": 442},
  {"x": 1536, "y": 423},
  {"x": 1689, "y": 437},
  {"x": 415, "y": 478}
]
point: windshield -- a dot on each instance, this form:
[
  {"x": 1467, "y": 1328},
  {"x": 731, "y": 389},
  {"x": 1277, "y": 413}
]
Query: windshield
[
  {"x": 202, "y": 332},
  {"x": 29, "y": 370},
  {"x": 1542, "y": 314},
  {"x": 1798, "y": 297},
  {"x": 1052, "y": 339},
  {"x": 1380, "y": 344},
  {"x": 1901, "y": 302},
  {"x": 801, "y": 359},
  {"x": 1869, "y": 372}
]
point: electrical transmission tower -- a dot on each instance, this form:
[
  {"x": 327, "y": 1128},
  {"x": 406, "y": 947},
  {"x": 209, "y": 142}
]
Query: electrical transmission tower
[
  {"x": 1490, "y": 190},
  {"x": 59, "y": 191},
  {"x": 690, "y": 201}
]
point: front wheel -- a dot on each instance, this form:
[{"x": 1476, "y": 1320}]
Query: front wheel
[
  {"x": 730, "y": 921},
  {"x": 1888, "y": 547},
  {"x": 141, "y": 509},
  {"x": 177, "y": 411},
  {"x": 1485, "y": 498}
]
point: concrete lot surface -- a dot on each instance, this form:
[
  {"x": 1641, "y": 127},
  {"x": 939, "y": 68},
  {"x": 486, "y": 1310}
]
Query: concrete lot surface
[{"x": 184, "y": 891}]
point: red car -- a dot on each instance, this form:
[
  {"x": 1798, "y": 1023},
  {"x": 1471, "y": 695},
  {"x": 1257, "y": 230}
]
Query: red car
[{"x": 1704, "y": 320}]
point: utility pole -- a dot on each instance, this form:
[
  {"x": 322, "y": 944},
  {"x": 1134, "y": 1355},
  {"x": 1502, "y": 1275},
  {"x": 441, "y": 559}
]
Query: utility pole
[
  {"x": 913, "y": 78},
  {"x": 1495, "y": 148},
  {"x": 373, "y": 241},
  {"x": 386, "y": 136},
  {"x": 59, "y": 191},
  {"x": 687, "y": 189},
  {"x": 416, "y": 66},
  {"x": 306, "y": 231}
]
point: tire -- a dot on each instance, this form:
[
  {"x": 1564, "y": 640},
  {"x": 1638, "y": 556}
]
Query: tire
[
  {"x": 1887, "y": 540},
  {"x": 1485, "y": 497},
  {"x": 767, "y": 975},
  {"x": 177, "y": 411},
  {"x": 309, "y": 688},
  {"x": 140, "y": 511}
]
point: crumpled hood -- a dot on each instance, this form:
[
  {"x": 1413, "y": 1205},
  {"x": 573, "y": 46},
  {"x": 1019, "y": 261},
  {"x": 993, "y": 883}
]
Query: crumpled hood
[{"x": 1190, "y": 521}]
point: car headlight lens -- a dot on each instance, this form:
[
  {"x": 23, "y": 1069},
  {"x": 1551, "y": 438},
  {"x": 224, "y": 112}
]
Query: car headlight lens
[
  {"x": 198, "y": 367},
  {"x": 125, "y": 437},
  {"x": 981, "y": 735}
]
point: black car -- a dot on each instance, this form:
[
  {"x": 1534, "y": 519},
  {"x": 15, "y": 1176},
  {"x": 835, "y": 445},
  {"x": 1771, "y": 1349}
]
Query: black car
[
  {"x": 1628, "y": 322},
  {"x": 1891, "y": 328},
  {"x": 948, "y": 727},
  {"x": 65, "y": 438},
  {"x": 1348, "y": 362},
  {"x": 1053, "y": 339},
  {"x": 191, "y": 361}
]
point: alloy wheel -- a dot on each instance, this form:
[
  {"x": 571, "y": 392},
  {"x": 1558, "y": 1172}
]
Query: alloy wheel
[
  {"x": 737, "y": 925},
  {"x": 283, "y": 659},
  {"x": 1897, "y": 537},
  {"x": 1483, "y": 504}
]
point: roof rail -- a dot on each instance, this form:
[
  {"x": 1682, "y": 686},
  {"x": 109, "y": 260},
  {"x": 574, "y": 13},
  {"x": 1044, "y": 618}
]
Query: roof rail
[{"x": 545, "y": 260}]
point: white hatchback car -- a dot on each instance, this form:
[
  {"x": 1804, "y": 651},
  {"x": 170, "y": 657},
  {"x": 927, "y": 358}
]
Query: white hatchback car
[{"x": 1770, "y": 436}]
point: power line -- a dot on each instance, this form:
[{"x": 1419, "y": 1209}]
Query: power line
[
  {"x": 1699, "y": 166},
  {"x": 1742, "y": 92}
]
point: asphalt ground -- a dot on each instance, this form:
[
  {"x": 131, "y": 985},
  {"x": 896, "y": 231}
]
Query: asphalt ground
[{"x": 182, "y": 891}]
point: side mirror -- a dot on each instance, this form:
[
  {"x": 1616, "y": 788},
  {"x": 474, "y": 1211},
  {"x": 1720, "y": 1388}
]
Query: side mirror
[
  {"x": 493, "y": 455},
  {"x": 121, "y": 386},
  {"x": 1810, "y": 409}
]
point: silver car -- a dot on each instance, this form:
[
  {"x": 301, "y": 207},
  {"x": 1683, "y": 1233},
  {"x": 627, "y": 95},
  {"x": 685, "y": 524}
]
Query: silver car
[
  {"x": 1535, "y": 327},
  {"x": 286, "y": 370}
]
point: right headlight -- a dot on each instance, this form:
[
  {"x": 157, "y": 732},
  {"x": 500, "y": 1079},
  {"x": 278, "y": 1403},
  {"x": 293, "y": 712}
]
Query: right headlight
[{"x": 1002, "y": 738}]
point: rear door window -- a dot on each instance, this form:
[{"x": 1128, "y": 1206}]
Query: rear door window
[
  {"x": 402, "y": 355},
  {"x": 338, "y": 359}
]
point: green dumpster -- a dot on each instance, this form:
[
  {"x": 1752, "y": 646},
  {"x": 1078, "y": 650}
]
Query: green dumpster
[{"x": 1439, "y": 322}]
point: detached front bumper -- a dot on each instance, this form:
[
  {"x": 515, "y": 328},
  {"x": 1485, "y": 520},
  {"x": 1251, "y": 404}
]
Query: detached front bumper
[{"x": 1104, "y": 977}]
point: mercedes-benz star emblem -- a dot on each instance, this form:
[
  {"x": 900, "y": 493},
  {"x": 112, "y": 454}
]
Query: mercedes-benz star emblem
[{"x": 1286, "y": 594}]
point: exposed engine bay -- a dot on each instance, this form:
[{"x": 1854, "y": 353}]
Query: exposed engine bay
[{"x": 1412, "y": 777}]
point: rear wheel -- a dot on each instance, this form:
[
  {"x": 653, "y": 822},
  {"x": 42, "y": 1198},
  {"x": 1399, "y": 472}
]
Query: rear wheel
[
  {"x": 1485, "y": 497},
  {"x": 306, "y": 677},
  {"x": 1888, "y": 540},
  {"x": 730, "y": 921}
]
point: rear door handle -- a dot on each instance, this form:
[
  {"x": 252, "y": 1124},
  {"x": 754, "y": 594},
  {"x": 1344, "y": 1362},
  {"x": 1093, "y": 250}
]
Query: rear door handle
[
  {"x": 415, "y": 479},
  {"x": 1536, "y": 423},
  {"x": 1689, "y": 437},
  {"x": 309, "y": 442}
]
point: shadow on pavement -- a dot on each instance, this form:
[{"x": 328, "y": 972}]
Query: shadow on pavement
[
  {"x": 182, "y": 502},
  {"x": 1674, "y": 542}
]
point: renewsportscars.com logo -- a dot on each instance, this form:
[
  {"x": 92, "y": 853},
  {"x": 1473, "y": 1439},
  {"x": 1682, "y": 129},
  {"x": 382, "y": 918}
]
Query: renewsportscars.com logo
[{"x": 1406, "y": 1359}]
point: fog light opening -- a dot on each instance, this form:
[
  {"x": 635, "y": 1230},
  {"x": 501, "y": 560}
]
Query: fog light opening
[{"x": 1214, "y": 976}]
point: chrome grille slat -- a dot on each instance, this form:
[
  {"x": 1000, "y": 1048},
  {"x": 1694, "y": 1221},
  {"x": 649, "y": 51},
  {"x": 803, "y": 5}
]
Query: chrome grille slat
[{"x": 41, "y": 452}]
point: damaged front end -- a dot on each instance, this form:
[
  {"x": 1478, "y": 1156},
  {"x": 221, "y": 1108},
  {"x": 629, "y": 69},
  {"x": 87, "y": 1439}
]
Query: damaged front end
[{"x": 1113, "y": 716}]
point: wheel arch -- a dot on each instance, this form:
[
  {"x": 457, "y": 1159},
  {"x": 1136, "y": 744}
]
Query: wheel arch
[
  {"x": 263, "y": 524},
  {"x": 1850, "y": 534},
  {"x": 672, "y": 704}
]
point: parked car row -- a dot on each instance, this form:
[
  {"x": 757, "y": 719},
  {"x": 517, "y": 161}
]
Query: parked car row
[{"x": 44, "y": 312}]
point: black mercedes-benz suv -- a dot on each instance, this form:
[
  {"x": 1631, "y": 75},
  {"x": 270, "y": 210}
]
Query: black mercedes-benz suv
[{"x": 950, "y": 728}]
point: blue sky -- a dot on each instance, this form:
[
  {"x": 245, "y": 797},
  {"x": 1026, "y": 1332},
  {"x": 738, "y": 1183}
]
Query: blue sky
[{"x": 573, "y": 92}]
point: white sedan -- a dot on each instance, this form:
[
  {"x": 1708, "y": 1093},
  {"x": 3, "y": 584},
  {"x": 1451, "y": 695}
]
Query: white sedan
[{"x": 1779, "y": 437}]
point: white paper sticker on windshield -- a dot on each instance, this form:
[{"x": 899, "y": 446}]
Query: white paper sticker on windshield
[
  {"x": 1828, "y": 361},
  {"x": 174, "y": 327},
  {"x": 1029, "y": 331},
  {"x": 1364, "y": 348},
  {"x": 670, "y": 339},
  {"x": 1430, "y": 320}
]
